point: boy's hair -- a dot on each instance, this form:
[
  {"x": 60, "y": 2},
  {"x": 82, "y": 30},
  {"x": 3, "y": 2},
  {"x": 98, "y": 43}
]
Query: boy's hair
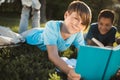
[
  {"x": 106, "y": 13},
  {"x": 82, "y": 9}
]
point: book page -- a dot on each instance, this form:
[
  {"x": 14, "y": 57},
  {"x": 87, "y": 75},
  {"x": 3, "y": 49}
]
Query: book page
[{"x": 97, "y": 42}]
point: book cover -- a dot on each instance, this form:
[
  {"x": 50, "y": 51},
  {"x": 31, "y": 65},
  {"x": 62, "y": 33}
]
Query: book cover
[
  {"x": 114, "y": 63},
  {"x": 96, "y": 63}
]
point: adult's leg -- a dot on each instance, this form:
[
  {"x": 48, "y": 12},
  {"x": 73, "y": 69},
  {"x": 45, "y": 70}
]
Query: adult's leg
[
  {"x": 35, "y": 18},
  {"x": 24, "y": 19},
  {"x": 36, "y": 13}
]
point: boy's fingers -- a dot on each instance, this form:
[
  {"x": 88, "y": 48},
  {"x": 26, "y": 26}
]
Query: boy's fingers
[
  {"x": 73, "y": 76},
  {"x": 73, "y": 79}
]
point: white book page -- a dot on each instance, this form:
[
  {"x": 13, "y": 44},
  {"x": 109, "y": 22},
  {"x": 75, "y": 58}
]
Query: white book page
[{"x": 97, "y": 42}]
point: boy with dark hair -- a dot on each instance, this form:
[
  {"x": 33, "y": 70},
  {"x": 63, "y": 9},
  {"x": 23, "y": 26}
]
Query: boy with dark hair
[
  {"x": 60, "y": 35},
  {"x": 103, "y": 30}
]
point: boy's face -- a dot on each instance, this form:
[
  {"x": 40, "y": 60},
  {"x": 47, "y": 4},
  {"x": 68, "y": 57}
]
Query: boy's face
[
  {"x": 104, "y": 25},
  {"x": 73, "y": 22}
]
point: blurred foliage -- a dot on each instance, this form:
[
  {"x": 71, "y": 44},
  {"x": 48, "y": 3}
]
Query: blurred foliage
[
  {"x": 54, "y": 76},
  {"x": 67, "y": 53},
  {"x": 24, "y": 62},
  {"x": 11, "y": 6},
  {"x": 55, "y": 9},
  {"x": 97, "y": 5}
]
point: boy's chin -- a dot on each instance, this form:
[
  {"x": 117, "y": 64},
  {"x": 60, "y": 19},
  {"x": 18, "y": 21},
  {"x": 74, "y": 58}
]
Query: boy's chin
[{"x": 103, "y": 32}]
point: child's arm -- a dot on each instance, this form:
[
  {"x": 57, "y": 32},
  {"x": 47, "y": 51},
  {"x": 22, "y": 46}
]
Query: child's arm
[
  {"x": 90, "y": 42},
  {"x": 55, "y": 58}
]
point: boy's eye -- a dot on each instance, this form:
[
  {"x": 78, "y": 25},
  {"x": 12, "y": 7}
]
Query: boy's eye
[
  {"x": 107, "y": 25},
  {"x": 100, "y": 23},
  {"x": 76, "y": 18},
  {"x": 83, "y": 23}
]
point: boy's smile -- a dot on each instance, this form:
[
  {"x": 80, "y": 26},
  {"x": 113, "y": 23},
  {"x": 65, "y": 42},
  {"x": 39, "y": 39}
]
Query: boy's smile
[
  {"x": 104, "y": 25},
  {"x": 72, "y": 23}
]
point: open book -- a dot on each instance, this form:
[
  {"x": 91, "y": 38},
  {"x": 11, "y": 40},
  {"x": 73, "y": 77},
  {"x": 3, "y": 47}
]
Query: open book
[
  {"x": 97, "y": 63},
  {"x": 97, "y": 42}
]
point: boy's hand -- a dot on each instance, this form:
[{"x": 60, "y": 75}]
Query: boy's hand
[{"x": 73, "y": 76}]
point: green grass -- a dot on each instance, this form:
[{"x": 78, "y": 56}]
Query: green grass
[
  {"x": 117, "y": 34},
  {"x": 13, "y": 23}
]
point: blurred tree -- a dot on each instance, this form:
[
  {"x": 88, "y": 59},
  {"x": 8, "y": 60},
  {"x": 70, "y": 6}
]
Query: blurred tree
[
  {"x": 55, "y": 9},
  {"x": 97, "y": 5},
  {"x": 15, "y": 6},
  {"x": 116, "y": 7},
  {"x": 43, "y": 11},
  {"x": 10, "y": 6}
]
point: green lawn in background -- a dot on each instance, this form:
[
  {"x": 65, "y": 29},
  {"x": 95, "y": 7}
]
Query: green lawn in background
[{"x": 13, "y": 23}]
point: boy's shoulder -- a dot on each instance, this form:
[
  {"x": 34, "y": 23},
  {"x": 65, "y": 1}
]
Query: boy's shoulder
[
  {"x": 54, "y": 22},
  {"x": 114, "y": 28},
  {"x": 53, "y": 25},
  {"x": 94, "y": 24}
]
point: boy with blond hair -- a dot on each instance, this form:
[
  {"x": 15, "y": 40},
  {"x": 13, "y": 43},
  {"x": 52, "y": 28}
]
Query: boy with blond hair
[{"x": 60, "y": 35}]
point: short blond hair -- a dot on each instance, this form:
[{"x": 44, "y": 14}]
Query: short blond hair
[{"x": 82, "y": 9}]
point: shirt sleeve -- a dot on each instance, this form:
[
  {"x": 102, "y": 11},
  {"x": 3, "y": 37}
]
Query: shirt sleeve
[
  {"x": 79, "y": 40},
  {"x": 50, "y": 33}
]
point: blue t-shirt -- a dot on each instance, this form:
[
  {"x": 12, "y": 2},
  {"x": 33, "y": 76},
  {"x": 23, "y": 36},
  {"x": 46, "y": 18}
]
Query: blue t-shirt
[
  {"x": 108, "y": 38},
  {"x": 51, "y": 35}
]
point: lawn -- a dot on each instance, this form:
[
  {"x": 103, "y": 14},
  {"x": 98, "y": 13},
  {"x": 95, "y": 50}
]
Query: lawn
[{"x": 13, "y": 22}]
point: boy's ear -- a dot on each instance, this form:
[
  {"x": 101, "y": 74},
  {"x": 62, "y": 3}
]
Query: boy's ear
[{"x": 65, "y": 14}]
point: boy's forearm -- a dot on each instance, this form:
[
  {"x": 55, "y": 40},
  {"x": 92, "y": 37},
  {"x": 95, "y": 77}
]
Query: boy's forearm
[
  {"x": 90, "y": 42},
  {"x": 60, "y": 64},
  {"x": 71, "y": 75},
  {"x": 55, "y": 58}
]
